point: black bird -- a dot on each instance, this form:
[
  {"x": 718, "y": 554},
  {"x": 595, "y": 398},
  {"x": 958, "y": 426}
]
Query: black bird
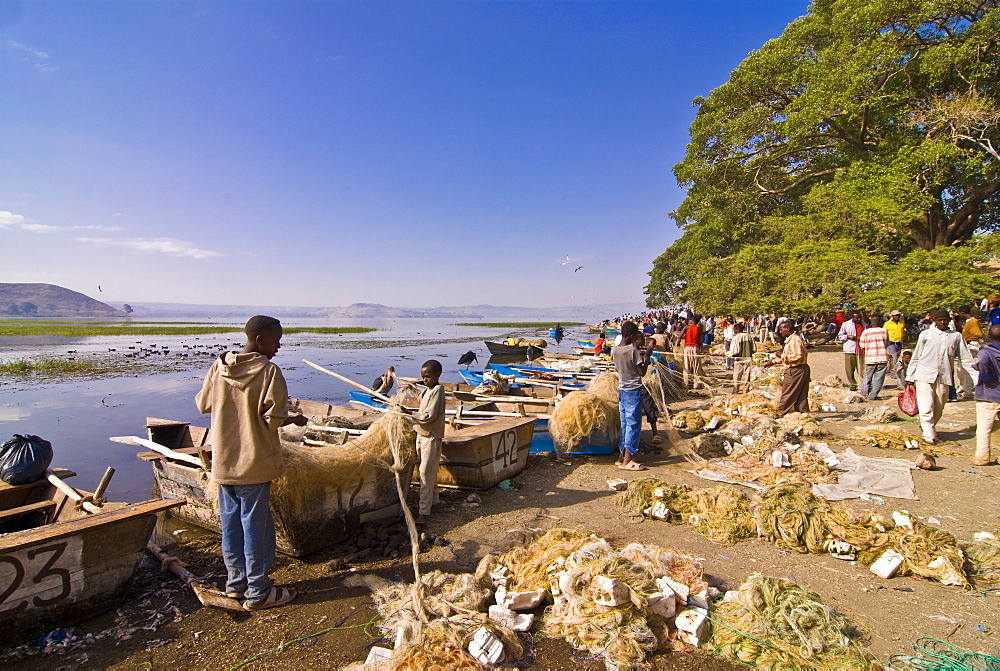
[
  {"x": 467, "y": 359},
  {"x": 534, "y": 353}
]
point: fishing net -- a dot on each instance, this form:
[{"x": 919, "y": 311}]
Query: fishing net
[
  {"x": 930, "y": 553},
  {"x": 792, "y": 516},
  {"x": 493, "y": 384},
  {"x": 605, "y": 386},
  {"x": 693, "y": 420},
  {"x": 833, "y": 380},
  {"x": 567, "y": 563},
  {"x": 437, "y": 631},
  {"x": 880, "y": 414},
  {"x": 670, "y": 381},
  {"x": 644, "y": 492},
  {"x": 865, "y": 530},
  {"x": 772, "y": 623},
  {"x": 578, "y": 414},
  {"x": 537, "y": 342},
  {"x": 712, "y": 446},
  {"x": 983, "y": 560},
  {"x": 653, "y": 384},
  {"x": 801, "y": 424},
  {"x": 887, "y": 438},
  {"x": 311, "y": 485},
  {"x": 722, "y": 514},
  {"x": 752, "y": 403}
]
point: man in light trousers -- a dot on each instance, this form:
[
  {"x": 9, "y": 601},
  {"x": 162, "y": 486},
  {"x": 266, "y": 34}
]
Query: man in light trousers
[{"x": 932, "y": 368}]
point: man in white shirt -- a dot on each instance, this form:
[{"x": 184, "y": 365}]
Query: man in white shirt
[{"x": 932, "y": 368}]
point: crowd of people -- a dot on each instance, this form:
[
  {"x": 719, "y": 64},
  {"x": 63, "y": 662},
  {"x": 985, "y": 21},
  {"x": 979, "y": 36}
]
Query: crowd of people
[{"x": 940, "y": 367}]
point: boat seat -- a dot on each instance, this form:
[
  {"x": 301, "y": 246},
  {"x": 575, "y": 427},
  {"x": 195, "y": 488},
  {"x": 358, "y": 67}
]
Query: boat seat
[{"x": 28, "y": 508}]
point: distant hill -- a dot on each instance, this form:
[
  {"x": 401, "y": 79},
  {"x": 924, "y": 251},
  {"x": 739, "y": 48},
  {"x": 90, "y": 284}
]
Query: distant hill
[
  {"x": 584, "y": 313},
  {"x": 49, "y": 300}
]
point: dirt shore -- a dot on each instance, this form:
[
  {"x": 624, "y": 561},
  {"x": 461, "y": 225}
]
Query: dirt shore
[{"x": 570, "y": 492}]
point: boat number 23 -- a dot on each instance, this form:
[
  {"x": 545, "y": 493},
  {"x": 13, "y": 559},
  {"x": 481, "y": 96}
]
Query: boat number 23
[
  {"x": 505, "y": 450},
  {"x": 34, "y": 577}
]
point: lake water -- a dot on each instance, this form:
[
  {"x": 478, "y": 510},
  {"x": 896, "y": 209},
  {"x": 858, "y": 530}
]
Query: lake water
[{"x": 79, "y": 415}]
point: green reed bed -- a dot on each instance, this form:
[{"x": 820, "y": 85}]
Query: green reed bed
[
  {"x": 85, "y": 330},
  {"x": 518, "y": 325},
  {"x": 46, "y": 366}
]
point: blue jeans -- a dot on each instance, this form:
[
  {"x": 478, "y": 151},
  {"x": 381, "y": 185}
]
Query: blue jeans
[
  {"x": 874, "y": 379},
  {"x": 248, "y": 542},
  {"x": 894, "y": 349},
  {"x": 630, "y": 407}
]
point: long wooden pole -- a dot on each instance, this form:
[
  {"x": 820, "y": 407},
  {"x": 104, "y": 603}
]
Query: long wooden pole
[
  {"x": 156, "y": 447},
  {"x": 381, "y": 397}
]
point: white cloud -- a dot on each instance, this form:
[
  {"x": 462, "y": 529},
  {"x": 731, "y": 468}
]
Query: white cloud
[
  {"x": 170, "y": 246},
  {"x": 39, "y": 228},
  {"x": 37, "y": 57},
  {"x": 107, "y": 229},
  {"x": 10, "y": 219}
]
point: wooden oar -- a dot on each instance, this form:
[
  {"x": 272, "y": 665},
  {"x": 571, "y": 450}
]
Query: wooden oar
[
  {"x": 206, "y": 595},
  {"x": 381, "y": 397},
  {"x": 156, "y": 447}
]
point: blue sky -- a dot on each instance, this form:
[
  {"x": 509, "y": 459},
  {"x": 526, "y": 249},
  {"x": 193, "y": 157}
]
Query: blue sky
[{"x": 324, "y": 153}]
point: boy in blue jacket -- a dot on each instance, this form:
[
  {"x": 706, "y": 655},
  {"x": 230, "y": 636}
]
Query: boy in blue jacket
[{"x": 987, "y": 395}]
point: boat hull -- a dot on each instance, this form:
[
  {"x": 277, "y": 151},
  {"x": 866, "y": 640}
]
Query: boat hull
[{"x": 74, "y": 568}]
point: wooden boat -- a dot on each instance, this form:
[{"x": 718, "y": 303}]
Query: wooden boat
[
  {"x": 60, "y": 563},
  {"x": 503, "y": 349},
  {"x": 371, "y": 496},
  {"x": 475, "y": 456},
  {"x": 537, "y": 402}
]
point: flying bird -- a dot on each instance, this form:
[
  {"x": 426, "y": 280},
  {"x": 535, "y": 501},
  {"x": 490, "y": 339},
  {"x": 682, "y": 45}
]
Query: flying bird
[
  {"x": 565, "y": 262},
  {"x": 467, "y": 359},
  {"x": 578, "y": 268},
  {"x": 100, "y": 289}
]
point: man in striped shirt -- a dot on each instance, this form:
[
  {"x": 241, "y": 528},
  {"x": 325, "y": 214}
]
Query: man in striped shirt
[{"x": 874, "y": 344}]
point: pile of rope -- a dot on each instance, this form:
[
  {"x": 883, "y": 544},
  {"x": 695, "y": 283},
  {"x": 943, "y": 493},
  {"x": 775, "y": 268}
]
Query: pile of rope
[
  {"x": 933, "y": 653},
  {"x": 772, "y": 623}
]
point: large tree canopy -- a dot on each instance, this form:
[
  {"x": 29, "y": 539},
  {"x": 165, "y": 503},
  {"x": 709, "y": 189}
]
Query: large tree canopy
[{"x": 872, "y": 123}]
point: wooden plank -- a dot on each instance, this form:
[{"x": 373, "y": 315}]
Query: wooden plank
[
  {"x": 61, "y": 473},
  {"x": 28, "y": 508},
  {"x": 51, "y": 531}
]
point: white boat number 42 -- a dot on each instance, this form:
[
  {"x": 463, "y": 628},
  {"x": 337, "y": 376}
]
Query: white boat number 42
[{"x": 504, "y": 450}]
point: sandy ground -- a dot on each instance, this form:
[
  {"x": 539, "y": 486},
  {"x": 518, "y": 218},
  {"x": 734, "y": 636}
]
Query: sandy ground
[{"x": 570, "y": 492}]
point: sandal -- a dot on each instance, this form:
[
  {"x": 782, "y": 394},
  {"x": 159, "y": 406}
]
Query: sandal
[
  {"x": 633, "y": 466},
  {"x": 657, "y": 440},
  {"x": 278, "y": 596}
]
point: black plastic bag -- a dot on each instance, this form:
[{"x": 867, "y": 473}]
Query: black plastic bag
[{"x": 23, "y": 459}]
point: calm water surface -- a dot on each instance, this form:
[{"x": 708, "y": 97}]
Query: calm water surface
[{"x": 78, "y": 416}]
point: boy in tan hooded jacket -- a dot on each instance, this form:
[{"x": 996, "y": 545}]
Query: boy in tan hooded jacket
[{"x": 248, "y": 399}]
